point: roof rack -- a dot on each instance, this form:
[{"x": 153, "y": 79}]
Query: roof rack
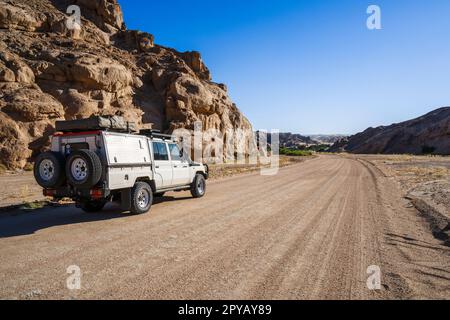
[{"x": 152, "y": 133}]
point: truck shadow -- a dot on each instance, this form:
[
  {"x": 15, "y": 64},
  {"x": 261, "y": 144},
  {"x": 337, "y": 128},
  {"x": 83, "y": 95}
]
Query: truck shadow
[
  {"x": 17, "y": 222},
  {"x": 20, "y": 223},
  {"x": 169, "y": 199}
]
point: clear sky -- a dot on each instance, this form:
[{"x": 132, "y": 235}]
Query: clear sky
[{"x": 313, "y": 66}]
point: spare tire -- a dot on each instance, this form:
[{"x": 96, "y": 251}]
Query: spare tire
[
  {"x": 49, "y": 169},
  {"x": 83, "y": 168}
]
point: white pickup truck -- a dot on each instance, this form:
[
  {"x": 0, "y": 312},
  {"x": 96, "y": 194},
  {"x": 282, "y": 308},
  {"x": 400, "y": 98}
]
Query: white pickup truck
[{"x": 97, "y": 166}]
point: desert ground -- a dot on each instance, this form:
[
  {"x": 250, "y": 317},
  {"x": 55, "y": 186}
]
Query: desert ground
[{"x": 309, "y": 232}]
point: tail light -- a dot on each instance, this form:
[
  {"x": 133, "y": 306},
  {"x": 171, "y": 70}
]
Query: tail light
[
  {"x": 49, "y": 192},
  {"x": 97, "y": 193}
]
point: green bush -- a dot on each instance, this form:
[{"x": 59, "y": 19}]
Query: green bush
[
  {"x": 295, "y": 153},
  {"x": 29, "y": 206},
  {"x": 319, "y": 148}
]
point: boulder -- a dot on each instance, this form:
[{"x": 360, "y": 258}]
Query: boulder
[
  {"x": 30, "y": 104},
  {"x": 15, "y": 17},
  {"x": 14, "y": 150},
  {"x": 22, "y": 72},
  {"x": 195, "y": 62},
  {"x": 6, "y": 74},
  {"x": 96, "y": 72},
  {"x": 106, "y": 14}
]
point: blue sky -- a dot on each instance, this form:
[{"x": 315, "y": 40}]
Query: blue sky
[{"x": 313, "y": 66}]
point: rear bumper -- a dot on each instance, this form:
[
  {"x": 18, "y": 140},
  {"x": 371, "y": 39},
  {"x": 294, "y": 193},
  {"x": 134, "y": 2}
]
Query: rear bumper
[{"x": 77, "y": 194}]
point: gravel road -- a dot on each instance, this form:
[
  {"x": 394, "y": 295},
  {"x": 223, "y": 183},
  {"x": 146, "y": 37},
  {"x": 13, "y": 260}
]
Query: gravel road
[{"x": 309, "y": 232}]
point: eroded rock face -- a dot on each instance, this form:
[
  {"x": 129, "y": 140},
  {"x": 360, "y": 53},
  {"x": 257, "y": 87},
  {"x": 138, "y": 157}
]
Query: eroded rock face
[{"x": 49, "y": 72}]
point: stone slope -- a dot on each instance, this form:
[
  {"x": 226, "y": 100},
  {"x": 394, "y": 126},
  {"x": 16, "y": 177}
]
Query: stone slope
[
  {"x": 429, "y": 134},
  {"x": 48, "y": 72}
]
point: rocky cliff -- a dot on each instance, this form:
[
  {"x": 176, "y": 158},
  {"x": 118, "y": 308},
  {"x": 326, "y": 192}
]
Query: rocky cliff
[
  {"x": 50, "y": 70},
  {"x": 429, "y": 134}
]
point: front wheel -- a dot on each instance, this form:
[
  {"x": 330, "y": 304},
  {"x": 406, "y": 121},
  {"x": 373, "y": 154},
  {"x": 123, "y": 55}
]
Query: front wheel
[
  {"x": 141, "y": 198},
  {"x": 198, "y": 186}
]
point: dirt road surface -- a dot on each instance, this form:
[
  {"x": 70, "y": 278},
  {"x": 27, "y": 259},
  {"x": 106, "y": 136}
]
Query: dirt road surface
[{"x": 310, "y": 232}]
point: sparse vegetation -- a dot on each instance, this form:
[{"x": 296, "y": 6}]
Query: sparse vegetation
[
  {"x": 33, "y": 205},
  {"x": 295, "y": 153},
  {"x": 318, "y": 148},
  {"x": 228, "y": 170},
  {"x": 2, "y": 168},
  {"x": 28, "y": 167}
]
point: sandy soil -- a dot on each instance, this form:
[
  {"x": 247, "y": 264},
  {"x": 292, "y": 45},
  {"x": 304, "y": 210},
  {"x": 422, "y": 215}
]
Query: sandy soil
[
  {"x": 17, "y": 188},
  {"x": 309, "y": 232},
  {"x": 425, "y": 181},
  {"x": 429, "y": 174}
]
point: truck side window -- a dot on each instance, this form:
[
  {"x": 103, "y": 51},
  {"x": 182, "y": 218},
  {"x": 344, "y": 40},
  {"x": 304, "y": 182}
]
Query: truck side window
[
  {"x": 160, "y": 151},
  {"x": 174, "y": 152}
]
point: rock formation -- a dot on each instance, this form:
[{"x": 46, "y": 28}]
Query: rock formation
[
  {"x": 49, "y": 71},
  {"x": 429, "y": 134},
  {"x": 329, "y": 139},
  {"x": 295, "y": 141}
]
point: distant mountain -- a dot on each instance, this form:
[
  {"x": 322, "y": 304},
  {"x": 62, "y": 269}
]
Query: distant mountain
[
  {"x": 429, "y": 134},
  {"x": 292, "y": 140},
  {"x": 327, "y": 138}
]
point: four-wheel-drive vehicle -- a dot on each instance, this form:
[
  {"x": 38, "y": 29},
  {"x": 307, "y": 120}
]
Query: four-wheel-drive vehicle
[{"x": 109, "y": 163}]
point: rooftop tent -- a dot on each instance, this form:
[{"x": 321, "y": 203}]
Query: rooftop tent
[{"x": 110, "y": 123}]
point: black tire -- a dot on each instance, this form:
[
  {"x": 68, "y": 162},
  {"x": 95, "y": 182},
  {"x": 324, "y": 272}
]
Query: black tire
[
  {"x": 83, "y": 169},
  {"x": 49, "y": 170},
  {"x": 159, "y": 195},
  {"x": 93, "y": 206},
  {"x": 141, "y": 198},
  {"x": 198, "y": 186}
]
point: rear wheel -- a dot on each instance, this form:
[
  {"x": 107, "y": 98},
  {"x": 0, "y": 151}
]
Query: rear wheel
[
  {"x": 49, "y": 170},
  {"x": 141, "y": 198},
  {"x": 83, "y": 168},
  {"x": 198, "y": 186},
  {"x": 93, "y": 206}
]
